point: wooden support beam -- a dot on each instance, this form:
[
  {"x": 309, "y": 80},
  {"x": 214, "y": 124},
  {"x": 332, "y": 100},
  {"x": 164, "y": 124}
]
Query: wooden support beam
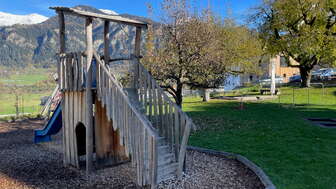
[
  {"x": 106, "y": 41},
  {"x": 137, "y": 42},
  {"x": 137, "y": 46},
  {"x": 112, "y": 18},
  {"x": 61, "y": 41},
  {"x": 89, "y": 100},
  {"x": 61, "y": 23}
]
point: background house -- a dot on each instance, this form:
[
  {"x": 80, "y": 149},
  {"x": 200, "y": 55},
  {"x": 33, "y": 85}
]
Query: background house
[{"x": 282, "y": 69}]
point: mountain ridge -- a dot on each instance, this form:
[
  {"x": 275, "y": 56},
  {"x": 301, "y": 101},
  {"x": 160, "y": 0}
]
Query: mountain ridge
[
  {"x": 37, "y": 44},
  {"x": 8, "y": 19}
]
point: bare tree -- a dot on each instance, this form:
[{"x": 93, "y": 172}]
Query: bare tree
[{"x": 197, "y": 49}]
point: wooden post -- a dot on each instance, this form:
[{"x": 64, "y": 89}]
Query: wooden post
[
  {"x": 273, "y": 67},
  {"x": 182, "y": 153},
  {"x": 106, "y": 41},
  {"x": 60, "y": 80},
  {"x": 61, "y": 41},
  {"x": 137, "y": 42},
  {"x": 89, "y": 100},
  {"x": 137, "y": 45}
]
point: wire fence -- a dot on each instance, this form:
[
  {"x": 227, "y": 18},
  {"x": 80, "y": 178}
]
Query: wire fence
[
  {"x": 317, "y": 94},
  {"x": 19, "y": 106},
  {"x": 287, "y": 94}
]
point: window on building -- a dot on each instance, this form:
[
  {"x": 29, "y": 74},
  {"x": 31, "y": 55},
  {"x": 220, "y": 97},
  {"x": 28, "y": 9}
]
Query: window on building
[
  {"x": 283, "y": 61},
  {"x": 284, "y": 75}
]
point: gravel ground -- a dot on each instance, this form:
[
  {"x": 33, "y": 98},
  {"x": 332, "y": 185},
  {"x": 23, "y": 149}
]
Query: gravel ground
[{"x": 25, "y": 165}]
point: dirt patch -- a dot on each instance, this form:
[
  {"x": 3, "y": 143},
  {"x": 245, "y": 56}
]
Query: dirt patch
[
  {"x": 247, "y": 98},
  {"x": 26, "y": 165}
]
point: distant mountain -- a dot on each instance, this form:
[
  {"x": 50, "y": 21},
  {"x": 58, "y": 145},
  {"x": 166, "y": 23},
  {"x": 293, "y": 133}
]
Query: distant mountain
[
  {"x": 7, "y": 19},
  {"x": 37, "y": 44},
  {"x": 111, "y": 12}
]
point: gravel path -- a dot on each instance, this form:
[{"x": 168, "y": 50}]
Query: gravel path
[{"x": 25, "y": 165}]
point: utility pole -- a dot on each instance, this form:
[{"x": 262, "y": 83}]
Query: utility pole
[{"x": 273, "y": 76}]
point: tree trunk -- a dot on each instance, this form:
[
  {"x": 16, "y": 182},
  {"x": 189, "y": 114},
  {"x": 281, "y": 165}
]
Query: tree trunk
[
  {"x": 206, "y": 95},
  {"x": 179, "y": 95},
  {"x": 305, "y": 76}
]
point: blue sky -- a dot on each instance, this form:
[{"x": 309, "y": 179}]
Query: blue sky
[{"x": 239, "y": 8}]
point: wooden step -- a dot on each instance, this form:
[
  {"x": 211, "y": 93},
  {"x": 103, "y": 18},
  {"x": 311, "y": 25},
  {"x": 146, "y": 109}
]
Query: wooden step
[
  {"x": 162, "y": 141},
  {"x": 167, "y": 159},
  {"x": 163, "y": 157},
  {"x": 164, "y": 148},
  {"x": 167, "y": 171}
]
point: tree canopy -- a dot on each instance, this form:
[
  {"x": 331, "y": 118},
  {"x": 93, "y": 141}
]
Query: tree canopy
[{"x": 304, "y": 30}]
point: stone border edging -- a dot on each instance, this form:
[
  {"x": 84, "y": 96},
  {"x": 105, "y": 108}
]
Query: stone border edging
[{"x": 257, "y": 170}]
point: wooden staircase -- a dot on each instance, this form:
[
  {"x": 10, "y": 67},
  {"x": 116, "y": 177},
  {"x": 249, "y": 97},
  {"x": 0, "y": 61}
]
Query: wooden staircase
[
  {"x": 157, "y": 142},
  {"x": 167, "y": 166}
]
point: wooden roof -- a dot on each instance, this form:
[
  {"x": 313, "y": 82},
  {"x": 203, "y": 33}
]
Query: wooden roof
[{"x": 112, "y": 18}]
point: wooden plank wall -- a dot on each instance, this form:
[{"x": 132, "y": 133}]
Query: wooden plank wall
[
  {"x": 108, "y": 142},
  {"x": 71, "y": 72},
  {"x": 109, "y": 151},
  {"x": 73, "y": 106},
  {"x": 73, "y": 112}
]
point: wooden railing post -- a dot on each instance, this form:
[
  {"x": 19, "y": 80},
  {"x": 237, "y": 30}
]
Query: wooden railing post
[
  {"x": 183, "y": 149},
  {"x": 89, "y": 100},
  {"x": 137, "y": 46}
]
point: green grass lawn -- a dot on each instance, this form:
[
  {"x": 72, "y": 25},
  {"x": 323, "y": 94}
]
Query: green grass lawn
[
  {"x": 33, "y": 84},
  {"x": 303, "y": 96},
  {"x": 31, "y": 103},
  {"x": 28, "y": 78},
  {"x": 293, "y": 152}
]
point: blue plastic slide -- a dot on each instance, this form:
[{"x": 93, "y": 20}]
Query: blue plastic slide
[{"x": 53, "y": 126}]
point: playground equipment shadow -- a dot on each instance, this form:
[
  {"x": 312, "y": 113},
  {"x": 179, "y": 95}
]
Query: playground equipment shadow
[{"x": 24, "y": 164}]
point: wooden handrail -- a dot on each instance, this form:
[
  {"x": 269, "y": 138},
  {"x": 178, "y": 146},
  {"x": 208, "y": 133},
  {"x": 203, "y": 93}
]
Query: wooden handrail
[
  {"x": 174, "y": 124},
  {"x": 165, "y": 95},
  {"x": 147, "y": 124}
]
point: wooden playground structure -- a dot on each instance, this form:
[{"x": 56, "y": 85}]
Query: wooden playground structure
[{"x": 108, "y": 123}]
